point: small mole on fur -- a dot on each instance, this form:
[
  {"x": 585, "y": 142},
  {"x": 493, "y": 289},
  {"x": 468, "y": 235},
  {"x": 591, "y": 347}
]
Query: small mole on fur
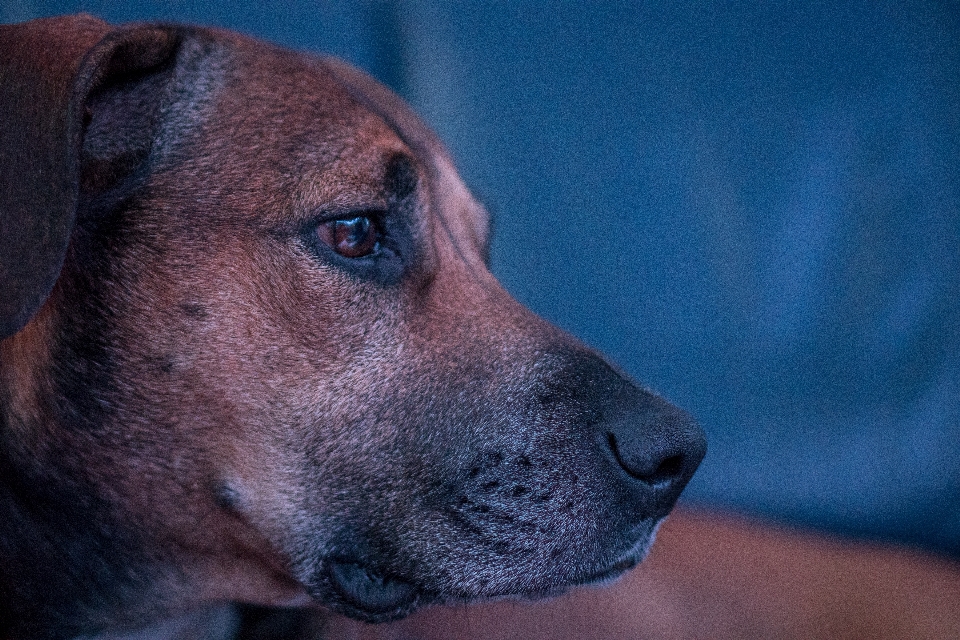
[{"x": 194, "y": 310}]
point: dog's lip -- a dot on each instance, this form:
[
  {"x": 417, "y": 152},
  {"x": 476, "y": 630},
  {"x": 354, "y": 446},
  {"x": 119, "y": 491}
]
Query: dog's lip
[
  {"x": 372, "y": 594},
  {"x": 627, "y": 561},
  {"x": 611, "y": 572}
]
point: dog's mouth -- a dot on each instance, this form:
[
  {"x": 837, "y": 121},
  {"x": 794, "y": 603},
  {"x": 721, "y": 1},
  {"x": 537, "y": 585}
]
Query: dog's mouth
[
  {"x": 372, "y": 595},
  {"x": 362, "y": 590}
]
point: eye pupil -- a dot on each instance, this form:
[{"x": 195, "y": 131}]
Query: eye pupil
[{"x": 351, "y": 238}]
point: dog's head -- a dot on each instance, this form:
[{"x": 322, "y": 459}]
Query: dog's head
[{"x": 253, "y": 350}]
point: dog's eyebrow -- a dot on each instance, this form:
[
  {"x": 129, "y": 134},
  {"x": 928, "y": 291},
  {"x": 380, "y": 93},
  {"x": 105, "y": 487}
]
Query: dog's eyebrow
[{"x": 400, "y": 176}]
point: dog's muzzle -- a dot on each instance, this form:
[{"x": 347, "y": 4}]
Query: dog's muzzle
[{"x": 565, "y": 487}]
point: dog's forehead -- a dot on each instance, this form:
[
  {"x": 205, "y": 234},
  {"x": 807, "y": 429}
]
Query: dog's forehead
[
  {"x": 347, "y": 168},
  {"x": 281, "y": 127}
]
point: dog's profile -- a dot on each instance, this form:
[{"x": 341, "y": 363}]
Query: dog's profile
[{"x": 251, "y": 352}]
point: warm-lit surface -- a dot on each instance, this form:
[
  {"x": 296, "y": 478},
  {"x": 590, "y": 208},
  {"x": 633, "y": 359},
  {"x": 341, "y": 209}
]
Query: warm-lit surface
[{"x": 715, "y": 576}]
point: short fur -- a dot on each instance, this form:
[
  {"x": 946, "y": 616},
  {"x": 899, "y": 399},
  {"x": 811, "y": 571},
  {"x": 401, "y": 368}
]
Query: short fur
[{"x": 201, "y": 403}]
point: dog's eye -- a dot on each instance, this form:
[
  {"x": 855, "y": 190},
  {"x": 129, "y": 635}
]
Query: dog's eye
[{"x": 352, "y": 238}]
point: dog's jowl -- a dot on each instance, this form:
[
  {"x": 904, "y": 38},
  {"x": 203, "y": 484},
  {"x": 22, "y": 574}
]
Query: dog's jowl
[{"x": 252, "y": 353}]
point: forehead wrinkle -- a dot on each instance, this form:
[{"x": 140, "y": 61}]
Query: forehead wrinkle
[
  {"x": 474, "y": 269},
  {"x": 442, "y": 176}
]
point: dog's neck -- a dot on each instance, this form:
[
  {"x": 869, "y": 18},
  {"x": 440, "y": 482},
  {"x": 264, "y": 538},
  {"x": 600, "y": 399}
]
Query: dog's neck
[
  {"x": 58, "y": 555},
  {"x": 64, "y": 561}
]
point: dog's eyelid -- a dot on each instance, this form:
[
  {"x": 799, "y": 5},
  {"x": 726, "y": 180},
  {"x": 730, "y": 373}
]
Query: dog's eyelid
[{"x": 377, "y": 213}]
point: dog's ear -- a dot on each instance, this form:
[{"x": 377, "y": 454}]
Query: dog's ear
[{"x": 76, "y": 119}]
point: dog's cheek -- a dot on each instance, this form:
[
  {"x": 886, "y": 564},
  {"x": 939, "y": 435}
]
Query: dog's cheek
[{"x": 281, "y": 361}]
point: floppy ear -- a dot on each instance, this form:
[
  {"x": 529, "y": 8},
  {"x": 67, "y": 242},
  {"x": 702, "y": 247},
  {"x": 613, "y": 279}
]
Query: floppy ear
[{"x": 73, "y": 119}]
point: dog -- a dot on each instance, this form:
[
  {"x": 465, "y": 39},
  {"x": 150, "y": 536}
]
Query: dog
[{"x": 252, "y": 353}]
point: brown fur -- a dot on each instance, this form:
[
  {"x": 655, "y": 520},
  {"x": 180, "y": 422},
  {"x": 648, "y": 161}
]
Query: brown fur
[{"x": 209, "y": 406}]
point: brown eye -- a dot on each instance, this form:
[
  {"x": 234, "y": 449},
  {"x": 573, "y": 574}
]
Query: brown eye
[{"x": 353, "y": 238}]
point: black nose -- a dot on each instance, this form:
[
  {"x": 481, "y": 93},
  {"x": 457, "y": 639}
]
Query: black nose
[
  {"x": 651, "y": 447},
  {"x": 654, "y": 447}
]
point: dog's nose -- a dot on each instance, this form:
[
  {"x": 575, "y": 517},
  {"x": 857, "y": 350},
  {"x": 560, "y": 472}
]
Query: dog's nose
[
  {"x": 655, "y": 448},
  {"x": 649, "y": 448}
]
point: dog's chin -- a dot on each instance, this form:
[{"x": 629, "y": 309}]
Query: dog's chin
[
  {"x": 605, "y": 574},
  {"x": 625, "y": 563},
  {"x": 355, "y": 589},
  {"x": 599, "y": 578},
  {"x": 613, "y": 572},
  {"x": 363, "y": 594}
]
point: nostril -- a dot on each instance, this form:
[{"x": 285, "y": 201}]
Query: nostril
[
  {"x": 668, "y": 469},
  {"x": 653, "y": 471}
]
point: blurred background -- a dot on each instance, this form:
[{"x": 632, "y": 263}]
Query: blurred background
[{"x": 754, "y": 208}]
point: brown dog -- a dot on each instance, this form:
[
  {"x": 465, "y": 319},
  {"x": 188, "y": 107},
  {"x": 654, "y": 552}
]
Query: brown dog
[{"x": 252, "y": 353}]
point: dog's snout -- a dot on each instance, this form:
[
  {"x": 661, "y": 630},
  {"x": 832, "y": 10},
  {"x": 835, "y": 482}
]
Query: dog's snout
[
  {"x": 651, "y": 447},
  {"x": 655, "y": 447}
]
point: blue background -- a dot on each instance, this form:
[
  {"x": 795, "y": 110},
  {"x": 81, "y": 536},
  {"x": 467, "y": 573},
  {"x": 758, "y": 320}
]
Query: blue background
[{"x": 754, "y": 208}]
